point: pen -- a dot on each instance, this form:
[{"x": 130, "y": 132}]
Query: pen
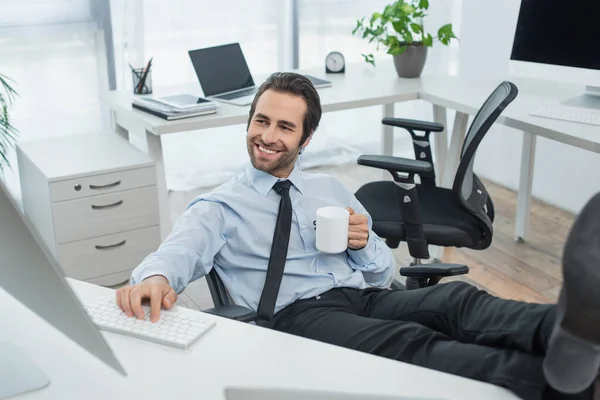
[{"x": 144, "y": 75}]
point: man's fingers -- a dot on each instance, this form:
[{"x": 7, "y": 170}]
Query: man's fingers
[
  {"x": 358, "y": 228},
  {"x": 358, "y": 219},
  {"x": 350, "y": 210},
  {"x": 170, "y": 298},
  {"x": 125, "y": 302},
  {"x": 358, "y": 236},
  {"x": 155, "y": 301},
  {"x": 356, "y": 244},
  {"x": 135, "y": 297},
  {"x": 118, "y": 298}
]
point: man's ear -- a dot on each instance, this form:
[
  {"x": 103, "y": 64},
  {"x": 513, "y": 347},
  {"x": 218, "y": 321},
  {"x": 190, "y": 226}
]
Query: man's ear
[{"x": 307, "y": 141}]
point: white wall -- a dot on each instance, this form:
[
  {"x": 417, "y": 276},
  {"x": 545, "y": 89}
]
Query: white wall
[{"x": 564, "y": 176}]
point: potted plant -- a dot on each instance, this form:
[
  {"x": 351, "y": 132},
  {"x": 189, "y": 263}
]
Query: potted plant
[
  {"x": 7, "y": 131},
  {"x": 400, "y": 29}
]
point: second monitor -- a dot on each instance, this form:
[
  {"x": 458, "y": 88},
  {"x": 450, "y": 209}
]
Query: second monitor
[{"x": 549, "y": 32}]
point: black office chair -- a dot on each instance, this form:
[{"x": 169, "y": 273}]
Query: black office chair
[
  {"x": 224, "y": 305},
  {"x": 421, "y": 214}
]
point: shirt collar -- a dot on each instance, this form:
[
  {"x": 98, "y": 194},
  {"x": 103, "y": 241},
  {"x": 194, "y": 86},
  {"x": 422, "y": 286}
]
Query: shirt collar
[{"x": 263, "y": 181}]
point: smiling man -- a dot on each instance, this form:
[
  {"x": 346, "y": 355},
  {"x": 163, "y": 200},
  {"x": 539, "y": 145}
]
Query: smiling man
[{"x": 257, "y": 232}]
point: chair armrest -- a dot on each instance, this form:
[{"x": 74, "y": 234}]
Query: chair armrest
[
  {"x": 397, "y": 285},
  {"x": 413, "y": 124},
  {"x": 397, "y": 164},
  {"x": 233, "y": 311},
  {"x": 434, "y": 270}
]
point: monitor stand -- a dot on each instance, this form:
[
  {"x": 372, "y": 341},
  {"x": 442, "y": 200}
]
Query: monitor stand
[
  {"x": 19, "y": 373},
  {"x": 590, "y": 99}
]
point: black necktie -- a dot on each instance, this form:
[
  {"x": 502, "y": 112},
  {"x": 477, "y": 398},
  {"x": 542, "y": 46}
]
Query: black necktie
[{"x": 279, "y": 248}]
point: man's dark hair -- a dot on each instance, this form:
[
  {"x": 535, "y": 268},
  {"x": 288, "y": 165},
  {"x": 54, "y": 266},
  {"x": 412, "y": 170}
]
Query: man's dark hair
[{"x": 299, "y": 85}]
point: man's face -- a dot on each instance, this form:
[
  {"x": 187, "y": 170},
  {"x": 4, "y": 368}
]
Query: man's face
[{"x": 275, "y": 132}]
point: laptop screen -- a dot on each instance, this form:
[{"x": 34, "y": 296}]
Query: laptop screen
[{"x": 221, "y": 69}]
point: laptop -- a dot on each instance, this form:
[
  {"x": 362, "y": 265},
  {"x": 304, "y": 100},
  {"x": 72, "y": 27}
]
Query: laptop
[{"x": 224, "y": 74}]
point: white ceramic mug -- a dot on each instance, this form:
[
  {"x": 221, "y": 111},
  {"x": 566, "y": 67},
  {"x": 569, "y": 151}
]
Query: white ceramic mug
[{"x": 332, "y": 229}]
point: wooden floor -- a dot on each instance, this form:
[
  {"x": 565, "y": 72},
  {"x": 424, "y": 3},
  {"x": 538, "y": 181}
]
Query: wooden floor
[{"x": 528, "y": 271}]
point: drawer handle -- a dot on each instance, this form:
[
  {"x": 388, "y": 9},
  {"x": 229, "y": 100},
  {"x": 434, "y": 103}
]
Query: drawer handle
[
  {"x": 110, "y": 246},
  {"x": 117, "y": 183},
  {"x": 117, "y": 203}
]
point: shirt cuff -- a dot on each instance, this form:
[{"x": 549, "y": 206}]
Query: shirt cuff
[
  {"x": 366, "y": 255},
  {"x": 138, "y": 276}
]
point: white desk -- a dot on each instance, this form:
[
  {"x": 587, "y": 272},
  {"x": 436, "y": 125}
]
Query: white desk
[
  {"x": 232, "y": 354},
  {"x": 364, "y": 86}
]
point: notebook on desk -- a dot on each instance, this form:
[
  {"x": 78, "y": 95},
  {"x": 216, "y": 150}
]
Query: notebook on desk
[{"x": 162, "y": 110}]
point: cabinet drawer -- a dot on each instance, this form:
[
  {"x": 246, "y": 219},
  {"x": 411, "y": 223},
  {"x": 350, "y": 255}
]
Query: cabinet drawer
[
  {"x": 92, "y": 185},
  {"x": 107, "y": 255},
  {"x": 105, "y": 214}
]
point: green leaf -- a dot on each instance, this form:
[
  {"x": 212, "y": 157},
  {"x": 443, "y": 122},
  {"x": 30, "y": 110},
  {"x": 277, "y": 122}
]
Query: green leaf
[
  {"x": 428, "y": 40},
  {"x": 416, "y": 28},
  {"x": 396, "y": 50},
  {"x": 375, "y": 17},
  {"x": 391, "y": 41},
  {"x": 446, "y": 34},
  {"x": 424, "y": 4},
  {"x": 359, "y": 25},
  {"x": 399, "y": 26},
  {"x": 407, "y": 8},
  {"x": 369, "y": 58}
]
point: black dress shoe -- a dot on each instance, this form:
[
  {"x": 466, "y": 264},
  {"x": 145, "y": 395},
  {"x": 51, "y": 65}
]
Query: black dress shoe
[{"x": 573, "y": 356}]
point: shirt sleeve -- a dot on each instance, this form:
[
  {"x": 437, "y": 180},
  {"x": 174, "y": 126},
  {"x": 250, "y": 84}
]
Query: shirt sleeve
[
  {"x": 188, "y": 252},
  {"x": 376, "y": 259}
]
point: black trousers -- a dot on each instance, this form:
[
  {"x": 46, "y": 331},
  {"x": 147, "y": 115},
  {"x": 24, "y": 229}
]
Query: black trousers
[{"x": 451, "y": 327}]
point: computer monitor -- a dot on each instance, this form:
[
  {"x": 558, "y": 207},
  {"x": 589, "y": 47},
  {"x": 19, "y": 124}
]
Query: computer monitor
[
  {"x": 562, "y": 34},
  {"x": 34, "y": 279}
]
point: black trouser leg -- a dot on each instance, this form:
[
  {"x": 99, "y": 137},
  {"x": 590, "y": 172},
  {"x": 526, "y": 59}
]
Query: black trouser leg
[
  {"x": 466, "y": 314},
  {"x": 334, "y": 319}
]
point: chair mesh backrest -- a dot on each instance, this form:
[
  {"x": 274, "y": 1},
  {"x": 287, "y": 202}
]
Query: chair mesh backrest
[
  {"x": 218, "y": 291},
  {"x": 467, "y": 189}
]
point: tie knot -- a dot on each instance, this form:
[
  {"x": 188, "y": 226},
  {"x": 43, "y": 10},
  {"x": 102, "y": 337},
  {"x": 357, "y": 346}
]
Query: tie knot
[{"x": 282, "y": 185}]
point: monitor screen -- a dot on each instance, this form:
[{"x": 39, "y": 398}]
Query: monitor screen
[
  {"x": 221, "y": 69},
  {"x": 32, "y": 276},
  {"x": 558, "y": 32}
]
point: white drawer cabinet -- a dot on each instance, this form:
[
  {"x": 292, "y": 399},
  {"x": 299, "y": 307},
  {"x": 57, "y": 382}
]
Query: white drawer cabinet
[
  {"x": 104, "y": 214},
  {"x": 111, "y": 254},
  {"x": 92, "y": 199},
  {"x": 102, "y": 183}
]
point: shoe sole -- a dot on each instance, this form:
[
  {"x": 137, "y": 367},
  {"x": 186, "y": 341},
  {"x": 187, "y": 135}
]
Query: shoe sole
[
  {"x": 573, "y": 357},
  {"x": 581, "y": 275}
]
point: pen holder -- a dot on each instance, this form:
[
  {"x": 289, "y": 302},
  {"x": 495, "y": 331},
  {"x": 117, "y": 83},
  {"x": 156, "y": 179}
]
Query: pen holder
[{"x": 142, "y": 81}]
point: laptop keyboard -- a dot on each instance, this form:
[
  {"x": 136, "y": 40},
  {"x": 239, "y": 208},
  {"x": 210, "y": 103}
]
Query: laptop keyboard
[{"x": 237, "y": 95}]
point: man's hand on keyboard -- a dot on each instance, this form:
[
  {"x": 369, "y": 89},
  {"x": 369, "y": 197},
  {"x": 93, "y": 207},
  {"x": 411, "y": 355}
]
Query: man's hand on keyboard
[{"x": 156, "y": 288}]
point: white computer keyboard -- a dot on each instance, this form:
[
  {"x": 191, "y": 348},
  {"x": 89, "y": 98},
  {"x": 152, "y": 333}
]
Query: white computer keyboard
[
  {"x": 567, "y": 113},
  {"x": 172, "y": 329}
]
